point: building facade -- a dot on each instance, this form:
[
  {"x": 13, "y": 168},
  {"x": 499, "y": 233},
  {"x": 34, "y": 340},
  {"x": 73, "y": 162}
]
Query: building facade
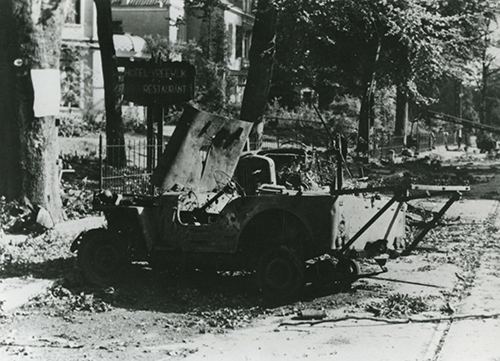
[
  {"x": 80, "y": 38},
  {"x": 175, "y": 21},
  {"x": 133, "y": 21}
]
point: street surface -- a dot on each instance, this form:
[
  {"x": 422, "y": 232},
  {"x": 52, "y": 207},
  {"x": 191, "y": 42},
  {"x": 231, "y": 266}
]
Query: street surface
[{"x": 151, "y": 320}]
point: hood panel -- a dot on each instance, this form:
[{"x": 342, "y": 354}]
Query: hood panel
[{"x": 202, "y": 145}]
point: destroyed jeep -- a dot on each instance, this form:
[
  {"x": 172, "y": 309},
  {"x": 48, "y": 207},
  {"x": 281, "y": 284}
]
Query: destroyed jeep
[{"x": 206, "y": 219}]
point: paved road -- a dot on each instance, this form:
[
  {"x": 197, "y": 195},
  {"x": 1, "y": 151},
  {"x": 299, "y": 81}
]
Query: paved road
[
  {"x": 346, "y": 341},
  {"x": 471, "y": 340}
]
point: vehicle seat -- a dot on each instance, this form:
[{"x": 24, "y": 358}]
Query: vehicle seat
[{"x": 254, "y": 170}]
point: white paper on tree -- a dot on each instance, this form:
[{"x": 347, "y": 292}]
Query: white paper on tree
[{"x": 47, "y": 88}]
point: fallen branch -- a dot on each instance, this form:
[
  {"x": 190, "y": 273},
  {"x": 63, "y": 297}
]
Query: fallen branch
[
  {"x": 404, "y": 281},
  {"x": 38, "y": 345},
  {"x": 393, "y": 321}
]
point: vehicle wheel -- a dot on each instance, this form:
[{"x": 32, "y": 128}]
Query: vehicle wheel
[
  {"x": 347, "y": 271},
  {"x": 281, "y": 275},
  {"x": 101, "y": 257},
  {"x": 322, "y": 273}
]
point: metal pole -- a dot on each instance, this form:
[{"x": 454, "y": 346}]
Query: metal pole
[
  {"x": 159, "y": 138},
  {"x": 393, "y": 220},
  {"x": 149, "y": 138},
  {"x": 340, "y": 163},
  {"x": 100, "y": 162},
  {"x": 431, "y": 224}
]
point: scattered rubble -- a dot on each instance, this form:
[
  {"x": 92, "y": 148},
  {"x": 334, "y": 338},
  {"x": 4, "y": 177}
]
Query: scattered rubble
[
  {"x": 65, "y": 300},
  {"x": 227, "y": 318},
  {"x": 44, "y": 256},
  {"x": 399, "y": 305},
  {"x": 19, "y": 218}
]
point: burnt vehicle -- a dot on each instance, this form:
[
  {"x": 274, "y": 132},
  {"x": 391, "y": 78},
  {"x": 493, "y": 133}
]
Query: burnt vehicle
[{"x": 204, "y": 219}]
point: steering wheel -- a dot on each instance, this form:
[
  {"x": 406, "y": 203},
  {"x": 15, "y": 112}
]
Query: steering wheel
[{"x": 224, "y": 180}]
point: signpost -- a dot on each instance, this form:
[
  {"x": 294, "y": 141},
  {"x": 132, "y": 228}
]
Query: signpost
[
  {"x": 156, "y": 84},
  {"x": 150, "y": 82}
]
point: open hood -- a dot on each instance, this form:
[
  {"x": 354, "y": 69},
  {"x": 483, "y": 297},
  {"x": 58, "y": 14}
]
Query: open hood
[{"x": 202, "y": 147}]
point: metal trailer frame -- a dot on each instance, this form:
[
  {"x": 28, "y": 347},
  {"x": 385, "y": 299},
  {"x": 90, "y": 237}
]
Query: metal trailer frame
[{"x": 400, "y": 195}]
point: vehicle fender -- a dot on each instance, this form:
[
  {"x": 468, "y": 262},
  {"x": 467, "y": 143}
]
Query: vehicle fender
[
  {"x": 276, "y": 210},
  {"x": 85, "y": 235}
]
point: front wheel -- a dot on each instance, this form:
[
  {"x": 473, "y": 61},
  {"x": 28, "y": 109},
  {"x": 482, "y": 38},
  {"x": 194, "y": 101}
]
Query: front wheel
[
  {"x": 281, "y": 275},
  {"x": 101, "y": 257}
]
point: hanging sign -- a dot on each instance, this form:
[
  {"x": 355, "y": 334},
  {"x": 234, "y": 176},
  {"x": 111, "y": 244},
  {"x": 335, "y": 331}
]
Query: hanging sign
[
  {"x": 47, "y": 91},
  {"x": 148, "y": 83}
]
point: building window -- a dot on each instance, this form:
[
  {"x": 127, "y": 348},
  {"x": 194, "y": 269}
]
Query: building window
[
  {"x": 74, "y": 13},
  {"x": 247, "y": 6},
  {"x": 247, "y": 43},
  {"x": 239, "y": 41}
]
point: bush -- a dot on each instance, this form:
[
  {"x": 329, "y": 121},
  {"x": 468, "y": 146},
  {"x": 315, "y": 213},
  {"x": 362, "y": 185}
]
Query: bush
[
  {"x": 304, "y": 123},
  {"x": 76, "y": 123},
  {"x": 485, "y": 142},
  {"x": 133, "y": 118}
]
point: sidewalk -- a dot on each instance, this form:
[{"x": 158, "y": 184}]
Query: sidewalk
[
  {"x": 478, "y": 340},
  {"x": 16, "y": 291}
]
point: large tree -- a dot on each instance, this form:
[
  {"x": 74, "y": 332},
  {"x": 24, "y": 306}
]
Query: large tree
[
  {"x": 261, "y": 56},
  {"x": 30, "y": 36},
  {"x": 10, "y": 165}
]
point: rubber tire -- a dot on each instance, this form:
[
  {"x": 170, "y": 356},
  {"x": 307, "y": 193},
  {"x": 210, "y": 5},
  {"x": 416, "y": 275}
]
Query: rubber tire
[
  {"x": 322, "y": 274},
  {"x": 101, "y": 257},
  {"x": 347, "y": 269},
  {"x": 280, "y": 275}
]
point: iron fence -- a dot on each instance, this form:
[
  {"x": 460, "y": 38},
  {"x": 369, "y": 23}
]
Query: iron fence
[
  {"x": 383, "y": 146},
  {"x": 445, "y": 139},
  {"x": 127, "y": 168}
]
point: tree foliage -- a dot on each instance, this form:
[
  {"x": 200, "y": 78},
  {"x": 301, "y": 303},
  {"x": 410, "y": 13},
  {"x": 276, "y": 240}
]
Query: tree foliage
[
  {"x": 208, "y": 54},
  {"x": 330, "y": 44}
]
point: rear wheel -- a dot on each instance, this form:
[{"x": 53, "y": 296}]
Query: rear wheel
[
  {"x": 101, "y": 257},
  {"x": 281, "y": 275},
  {"x": 347, "y": 271}
]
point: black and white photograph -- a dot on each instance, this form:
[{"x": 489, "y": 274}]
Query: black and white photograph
[{"x": 250, "y": 180}]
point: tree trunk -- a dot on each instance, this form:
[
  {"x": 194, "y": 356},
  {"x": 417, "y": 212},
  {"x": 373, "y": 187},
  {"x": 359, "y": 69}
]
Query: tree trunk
[
  {"x": 261, "y": 56},
  {"x": 112, "y": 102},
  {"x": 484, "y": 75},
  {"x": 364, "y": 122},
  {"x": 401, "y": 124},
  {"x": 10, "y": 166},
  {"x": 367, "y": 101},
  {"x": 35, "y": 41},
  {"x": 484, "y": 94},
  {"x": 326, "y": 94}
]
